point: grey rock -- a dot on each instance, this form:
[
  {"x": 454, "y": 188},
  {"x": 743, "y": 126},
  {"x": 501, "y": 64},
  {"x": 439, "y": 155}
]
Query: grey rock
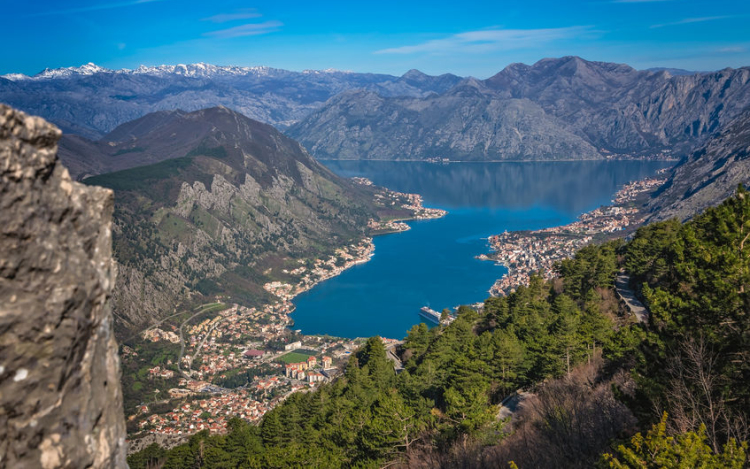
[
  {"x": 464, "y": 124},
  {"x": 566, "y": 108},
  {"x": 60, "y": 396},
  {"x": 708, "y": 176},
  {"x": 91, "y": 101}
]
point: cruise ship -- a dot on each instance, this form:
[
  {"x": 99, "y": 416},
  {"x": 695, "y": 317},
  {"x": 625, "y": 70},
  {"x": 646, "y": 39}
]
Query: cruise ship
[{"x": 430, "y": 314}]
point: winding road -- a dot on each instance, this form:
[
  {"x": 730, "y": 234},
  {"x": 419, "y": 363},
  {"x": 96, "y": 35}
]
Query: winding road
[{"x": 627, "y": 295}]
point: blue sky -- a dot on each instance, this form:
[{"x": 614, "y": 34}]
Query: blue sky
[{"x": 465, "y": 38}]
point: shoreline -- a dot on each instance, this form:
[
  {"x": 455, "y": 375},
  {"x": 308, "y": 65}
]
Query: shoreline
[
  {"x": 356, "y": 253},
  {"x": 528, "y": 252},
  {"x": 561, "y": 160}
]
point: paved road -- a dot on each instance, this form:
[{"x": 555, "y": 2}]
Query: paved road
[
  {"x": 510, "y": 407},
  {"x": 397, "y": 365},
  {"x": 622, "y": 287}
]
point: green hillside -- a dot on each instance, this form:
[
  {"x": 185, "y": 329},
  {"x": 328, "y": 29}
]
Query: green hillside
[{"x": 594, "y": 373}]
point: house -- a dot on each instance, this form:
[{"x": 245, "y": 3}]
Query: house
[
  {"x": 253, "y": 354},
  {"x": 314, "y": 377},
  {"x": 293, "y": 370},
  {"x": 327, "y": 362},
  {"x": 311, "y": 362},
  {"x": 293, "y": 346}
]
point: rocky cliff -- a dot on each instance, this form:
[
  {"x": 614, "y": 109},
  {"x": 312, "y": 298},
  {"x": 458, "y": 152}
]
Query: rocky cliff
[
  {"x": 60, "y": 396},
  {"x": 709, "y": 175},
  {"x": 468, "y": 123}
]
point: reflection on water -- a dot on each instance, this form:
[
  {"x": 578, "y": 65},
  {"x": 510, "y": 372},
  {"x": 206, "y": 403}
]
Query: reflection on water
[
  {"x": 567, "y": 186},
  {"x": 434, "y": 263}
]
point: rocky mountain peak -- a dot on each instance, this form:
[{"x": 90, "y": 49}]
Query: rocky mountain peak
[{"x": 414, "y": 74}]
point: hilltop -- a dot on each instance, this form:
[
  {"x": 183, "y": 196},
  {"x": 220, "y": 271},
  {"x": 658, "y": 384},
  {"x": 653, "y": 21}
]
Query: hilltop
[{"x": 214, "y": 203}]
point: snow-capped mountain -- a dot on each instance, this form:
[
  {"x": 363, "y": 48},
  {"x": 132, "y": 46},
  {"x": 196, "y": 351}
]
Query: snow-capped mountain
[
  {"x": 200, "y": 69},
  {"x": 91, "y": 100}
]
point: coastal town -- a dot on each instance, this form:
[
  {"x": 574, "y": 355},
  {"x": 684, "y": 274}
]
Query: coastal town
[
  {"x": 321, "y": 269},
  {"x": 227, "y": 360},
  {"x": 527, "y": 252},
  {"x": 240, "y": 363}
]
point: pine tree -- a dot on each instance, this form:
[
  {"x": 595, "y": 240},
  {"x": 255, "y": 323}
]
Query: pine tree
[
  {"x": 686, "y": 450},
  {"x": 270, "y": 429}
]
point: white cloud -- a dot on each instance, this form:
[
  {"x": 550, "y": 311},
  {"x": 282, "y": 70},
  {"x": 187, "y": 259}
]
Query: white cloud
[
  {"x": 689, "y": 21},
  {"x": 103, "y": 6},
  {"x": 639, "y": 1},
  {"x": 491, "y": 39},
  {"x": 732, "y": 50},
  {"x": 244, "y": 14},
  {"x": 251, "y": 29}
]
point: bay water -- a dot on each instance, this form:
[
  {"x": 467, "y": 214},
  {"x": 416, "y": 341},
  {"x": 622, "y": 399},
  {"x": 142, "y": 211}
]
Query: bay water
[{"x": 434, "y": 264}]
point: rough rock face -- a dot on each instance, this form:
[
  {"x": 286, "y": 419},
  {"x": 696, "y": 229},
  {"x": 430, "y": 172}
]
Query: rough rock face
[
  {"x": 60, "y": 396},
  {"x": 566, "y": 108},
  {"x": 709, "y": 175}
]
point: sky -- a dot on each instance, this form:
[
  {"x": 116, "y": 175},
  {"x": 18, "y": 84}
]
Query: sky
[{"x": 461, "y": 37}]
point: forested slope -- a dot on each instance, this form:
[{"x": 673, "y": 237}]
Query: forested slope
[{"x": 595, "y": 376}]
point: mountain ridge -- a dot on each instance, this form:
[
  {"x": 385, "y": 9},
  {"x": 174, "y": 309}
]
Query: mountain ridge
[
  {"x": 707, "y": 176},
  {"x": 613, "y": 108},
  {"x": 91, "y": 101},
  {"x": 219, "y": 212}
]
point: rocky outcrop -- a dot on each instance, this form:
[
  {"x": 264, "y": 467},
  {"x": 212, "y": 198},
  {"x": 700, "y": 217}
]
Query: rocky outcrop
[
  {"x": 60, "y": 396},
  {"x": 708, "y": 176}
]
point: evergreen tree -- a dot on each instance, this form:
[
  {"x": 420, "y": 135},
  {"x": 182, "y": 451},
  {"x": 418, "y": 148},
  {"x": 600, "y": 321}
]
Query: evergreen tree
[
  {"x": 271, "y": 430},
  {"x": 687, "y": 450}
]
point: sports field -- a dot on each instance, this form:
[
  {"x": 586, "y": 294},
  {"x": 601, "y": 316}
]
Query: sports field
[{"x": 294, "y": 357}]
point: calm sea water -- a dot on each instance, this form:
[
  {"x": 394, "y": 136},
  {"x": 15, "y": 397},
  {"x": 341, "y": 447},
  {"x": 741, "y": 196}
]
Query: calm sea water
[{"x": 434, "y": 264}]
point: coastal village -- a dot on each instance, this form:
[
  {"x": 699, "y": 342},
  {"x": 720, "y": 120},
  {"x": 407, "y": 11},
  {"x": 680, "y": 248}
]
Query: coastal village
[
  {"x": 238, "y": 361},
  {"x": 527, "y": 252},
  {"x": 243, "y": 361},
  {"x": 392, "y": 199}
]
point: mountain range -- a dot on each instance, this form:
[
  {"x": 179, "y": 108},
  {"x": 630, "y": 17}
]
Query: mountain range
[
  {"x": 566, "y": 108},
  {"x": 707, "y": 176},
  {"x": 91, "y": 100},
  {"x": 214, "y": 203},
  {"x": 560, "y": 108}
]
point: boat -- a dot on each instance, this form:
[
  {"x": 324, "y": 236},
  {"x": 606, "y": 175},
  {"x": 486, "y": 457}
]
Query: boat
[{"x": 430, "y": 314}]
